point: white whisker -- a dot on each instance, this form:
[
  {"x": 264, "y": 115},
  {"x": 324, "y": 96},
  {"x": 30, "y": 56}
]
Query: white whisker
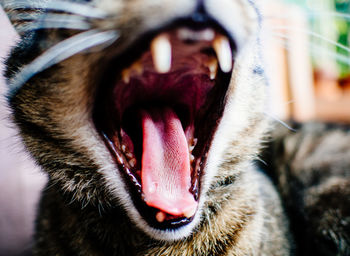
[
  {"x": 56, "y": 5},
  {"x": 313, "y": 34},
  {"x": 323, "y": 14},
  {"x": 279, "y": 121},
  {"x": 46, "y": 17},
  {"x": 52, "y": 25},
  {"x": 312, "y": 15},
  {"x": 61, "y": 51},
  {"x": 316, "y": 49},
  {"x": 46, "y": 21}
]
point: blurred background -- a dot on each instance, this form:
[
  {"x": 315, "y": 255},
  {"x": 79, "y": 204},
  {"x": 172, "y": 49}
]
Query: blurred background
[
  {"x": 306, "y": 48},
  {"x": 307, "y": 52}
]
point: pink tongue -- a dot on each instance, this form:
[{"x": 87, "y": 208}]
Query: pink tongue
[{"x": 165, "y": 173}]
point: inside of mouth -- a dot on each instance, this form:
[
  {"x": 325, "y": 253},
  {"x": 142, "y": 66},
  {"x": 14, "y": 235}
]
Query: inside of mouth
[{"x": 158, "y": 116}]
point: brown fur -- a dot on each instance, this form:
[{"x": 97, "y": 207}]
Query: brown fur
[
  {"x": 81, "y": 212},
  {"x": 311, "y": 165}
]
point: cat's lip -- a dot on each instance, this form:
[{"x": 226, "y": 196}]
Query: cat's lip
[{"x": 212, "y": 44}]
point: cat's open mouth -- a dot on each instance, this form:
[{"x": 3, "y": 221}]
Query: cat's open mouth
[{"x": 158, "y": 116}]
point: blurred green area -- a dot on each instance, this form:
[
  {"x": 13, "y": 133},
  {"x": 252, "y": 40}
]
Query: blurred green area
[{"x": 330, "y": 19}]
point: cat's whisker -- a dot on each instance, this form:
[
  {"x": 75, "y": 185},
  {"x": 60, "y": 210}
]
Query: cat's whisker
[
  {"x": 273, "y": 117},
  {"x": 50, "y": 17},
  {"x": 322, "y": 14},
  {"x": 57, "y": 5},
  {"x": 30, "y": 22},
  {"x": 52, "y": 25},
  {"x": 315, "y": 49},
  {"x": 312, "y": 34},
  {"x": 63, "y": 50},
  {"x": 312, "y": 15}
]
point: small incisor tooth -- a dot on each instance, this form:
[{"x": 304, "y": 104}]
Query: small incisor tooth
[
  {"x": 191, "y": 157},
  {"x": 223, "y": 51},
  {"x": 129, "y": 155},
  {"x": 213, "y": 68},
  {"x": 126, "y": 76},
  {"x": 192, "y": 144},
  {"x": 132, "y": 162},
  {"x": 137, "y": 66},
  {"x": 160, "y": 216},
  {"x": 161, "y": 53}
]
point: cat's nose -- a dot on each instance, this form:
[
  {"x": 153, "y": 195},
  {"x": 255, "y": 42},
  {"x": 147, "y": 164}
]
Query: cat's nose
[
  {"x": 200, "y": 2},
  {"x": 200, "y": 15},
  {"x": 200, "y": 6}
]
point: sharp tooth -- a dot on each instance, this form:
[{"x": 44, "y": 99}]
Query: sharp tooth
[
  {"x": 203, "y": 35},
  {"x": 194, "y": 142},
  {"x": 126, "y": 76},
  {"x": 223, "y": 51},
  {"x": 213, "y": 68},
  {"x": 129, "y": 155},
  {"x": 184, "y": 34},
  {"x": 137, "y": 66},
  {"x": 160, "y": 216},
  {"x": 132, "y": 162},
  {"x": 189, "y": 213},
  {"x": 191, "y": 157},
  {"x": 161, "y": 53},
  {"x": 208, "y": 34},
  {"x": 124, "y": 148}
]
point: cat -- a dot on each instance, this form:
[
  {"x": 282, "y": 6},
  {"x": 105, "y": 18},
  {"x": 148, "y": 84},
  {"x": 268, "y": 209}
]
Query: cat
[{"x": 147, "y": 116}]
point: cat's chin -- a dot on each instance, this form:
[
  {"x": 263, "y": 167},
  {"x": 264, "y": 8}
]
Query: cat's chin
[{"x": 157, "y": 110}]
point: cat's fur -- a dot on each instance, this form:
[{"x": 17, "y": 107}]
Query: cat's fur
[
  {"x": 311, "y": 167},
  {"x": 85, "y": 209}
]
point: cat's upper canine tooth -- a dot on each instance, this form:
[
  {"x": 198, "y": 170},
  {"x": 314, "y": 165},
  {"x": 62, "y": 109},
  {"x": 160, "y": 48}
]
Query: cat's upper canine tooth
[
  {"x": 223, "y": 51},
  {"x": 161, "y": 53}
]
